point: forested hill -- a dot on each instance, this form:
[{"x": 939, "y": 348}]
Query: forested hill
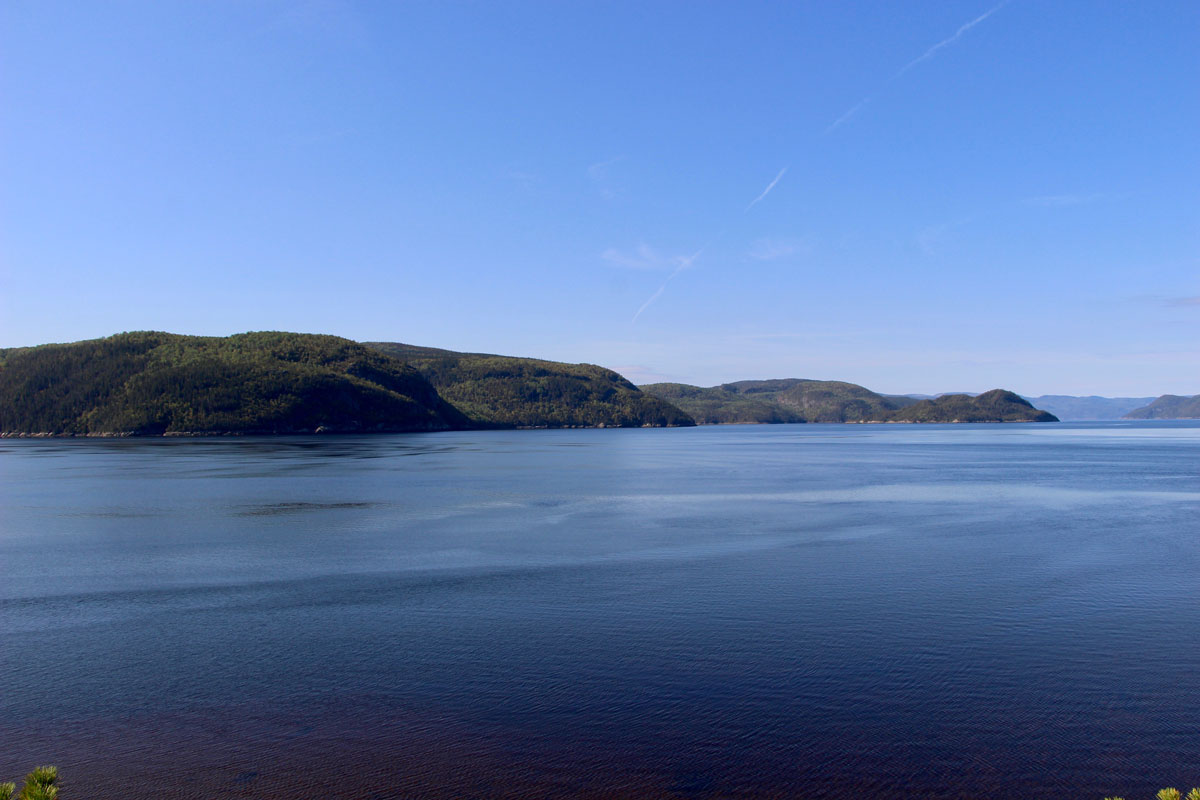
[
  {"x": 152, "y": 383},
  {"x": 783, "y": 400},
  {"x": 506, "y": 391},
  {"x": 797, "y": 400},
  {"x": 1169, "y": 406},
  {"x": 160, "y": 383},
  {"x": 997, "y": 405}
]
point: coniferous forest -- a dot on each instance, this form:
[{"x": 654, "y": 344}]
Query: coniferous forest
[{"x": 154, "y": 383}]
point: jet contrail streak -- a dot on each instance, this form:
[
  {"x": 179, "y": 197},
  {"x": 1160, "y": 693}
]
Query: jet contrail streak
[
  {"x": 684, "y": 263},
  {"x": 846, "y": 117},
  {"x": 928, "y": 54},
  {"x": 767, "y": 190}
]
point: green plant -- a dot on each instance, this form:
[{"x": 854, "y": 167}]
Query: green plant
[
  {"x": 1169, "y": 794},
  {"x": 41, "y": 784}
]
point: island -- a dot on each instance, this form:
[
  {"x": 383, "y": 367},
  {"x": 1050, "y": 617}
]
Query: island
[{"x": 802, "y": 400}]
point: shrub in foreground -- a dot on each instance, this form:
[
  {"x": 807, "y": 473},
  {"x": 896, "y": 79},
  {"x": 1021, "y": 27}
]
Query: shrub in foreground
[{"x": 41, "y": 784}]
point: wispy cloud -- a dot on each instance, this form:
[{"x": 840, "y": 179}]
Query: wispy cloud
[
  {"x": 767, "y": 190},
  {"x": 600, "y": 174},
  {"x": 645, "y": 257},
  {"x": 928, "y": 54},
  {"x": 1184, "y": 302},
  {"x": 522, "y": 178},
  {"x": 772, "y": 249},
  {"x": 683, "y": 264},
  {"x": 1059, "y": 200}
]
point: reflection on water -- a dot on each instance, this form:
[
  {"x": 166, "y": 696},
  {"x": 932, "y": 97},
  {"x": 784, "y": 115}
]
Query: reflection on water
[{"x": 718, "y": 612}]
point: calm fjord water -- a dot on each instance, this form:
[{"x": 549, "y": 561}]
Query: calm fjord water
[{"x": 770, "y": 611}]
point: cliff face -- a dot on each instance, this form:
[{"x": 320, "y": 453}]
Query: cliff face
[{"x": 155, "y": 383}]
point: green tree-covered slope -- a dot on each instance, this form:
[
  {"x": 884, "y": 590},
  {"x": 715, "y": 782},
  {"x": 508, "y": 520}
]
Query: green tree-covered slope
[
  {"x": 722, "y": 404},
  {"x": 784, "y": 400},
  {"x": 504, "y": 391},
  {"x": 795, "y": 400},
  {"x": 997, "y": 405},
  {"x": 1169, "y": 406},
  {"x": 162, "y": 383}
]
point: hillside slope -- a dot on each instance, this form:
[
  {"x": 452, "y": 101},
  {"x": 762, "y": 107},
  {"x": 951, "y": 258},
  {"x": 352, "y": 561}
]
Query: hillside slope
[
  {"x": 796, "y": 400},
  {"x": 507, "y": 391},
  {"x": 151, "y": 383},
  {"x": 1169, "y": 406},
  {"x": 772, "y": 401},
  {"x": 722, "y": 404},
  {"x": 998, "y": 405}
]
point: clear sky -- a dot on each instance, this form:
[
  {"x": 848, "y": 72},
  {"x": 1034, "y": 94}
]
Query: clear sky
[{"x": 916, "y": 196}]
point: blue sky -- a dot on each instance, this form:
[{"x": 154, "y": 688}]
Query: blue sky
[{"x": 962, "y": 195}]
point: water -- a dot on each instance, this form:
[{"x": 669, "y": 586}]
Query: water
[{"x": 768, "y": 611}]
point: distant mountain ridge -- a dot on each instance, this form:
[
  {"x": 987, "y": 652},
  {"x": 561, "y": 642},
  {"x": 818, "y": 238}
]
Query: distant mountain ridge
[
  {"x": 1070, "y": 407},
  {"x": 1169, "y": 406},
  {"x": 802, "y": 400}
]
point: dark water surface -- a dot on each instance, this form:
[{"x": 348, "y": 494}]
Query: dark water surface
[{"x": 770, "y": 611}]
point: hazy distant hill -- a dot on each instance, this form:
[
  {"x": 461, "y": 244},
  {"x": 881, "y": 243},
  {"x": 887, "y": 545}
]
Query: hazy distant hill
[
  {"x": 1068, "y": 407},
  {"x": 796, "y": 400},
  {"x": 506, "y": 391},
  {"x": 1169, "y": 406},
  {"x": 161, "y": 383}
]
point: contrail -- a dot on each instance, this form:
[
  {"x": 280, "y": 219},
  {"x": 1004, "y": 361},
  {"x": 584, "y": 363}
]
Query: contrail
[
  {"x": 928, "y": 54},
  {"x": 846, "y": 117},
  {"x": 685, "y": 263},
  {"x": 653, "y": 297},
  {"x": 767, "y": 190}
]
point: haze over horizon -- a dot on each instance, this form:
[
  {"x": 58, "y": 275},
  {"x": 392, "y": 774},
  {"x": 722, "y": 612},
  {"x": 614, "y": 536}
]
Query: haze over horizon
[{"x": 913, "y": 197}]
